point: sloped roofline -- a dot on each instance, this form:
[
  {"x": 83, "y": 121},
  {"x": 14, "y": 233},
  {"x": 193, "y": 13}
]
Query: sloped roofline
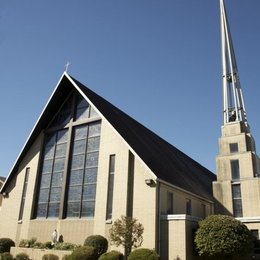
[
  {"x": 32, "y": 133},
  {"x": 21, "y": 154},
  {"x": 163, "y": 160}
]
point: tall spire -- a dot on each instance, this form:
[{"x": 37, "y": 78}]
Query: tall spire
[{"x": 233, "y": 103}]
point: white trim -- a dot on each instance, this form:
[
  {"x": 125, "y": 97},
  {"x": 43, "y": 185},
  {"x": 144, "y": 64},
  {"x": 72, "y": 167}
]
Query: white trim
[
  {"x": 249, "y": 219},
  {"x": 180, "y": 217}
]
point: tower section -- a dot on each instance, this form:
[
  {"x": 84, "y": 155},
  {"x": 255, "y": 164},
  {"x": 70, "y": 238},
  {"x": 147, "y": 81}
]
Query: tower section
[{"x": 237, "y": 189}]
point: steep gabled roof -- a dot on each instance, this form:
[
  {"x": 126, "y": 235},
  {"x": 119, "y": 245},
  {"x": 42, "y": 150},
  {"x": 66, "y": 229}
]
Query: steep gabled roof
[{"x": 163, "y": 159}]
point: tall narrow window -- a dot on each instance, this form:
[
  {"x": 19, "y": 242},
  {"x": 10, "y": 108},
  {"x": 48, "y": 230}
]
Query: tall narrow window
[
  {"x": 26, "y": 177},
  {"x": 203, "y": 209},
  {"x": 237, "y": 200},
  {"x": 110, "y": 189},
  {"x": 235, "y": 172},
  {"x": 169, "y": 203},
  {"x": 83, "y": 171},
  {"x": 52, "y": 174},
  {"x": 188, "y": 207}
]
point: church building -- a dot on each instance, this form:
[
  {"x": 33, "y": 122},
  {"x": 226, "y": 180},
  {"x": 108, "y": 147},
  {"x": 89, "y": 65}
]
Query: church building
[{"x": 86, "y": 163}]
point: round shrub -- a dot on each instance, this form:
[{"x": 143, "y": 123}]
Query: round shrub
[
  {"x": 66, "y": 257},
  {"x": 22, "y": 256},
  {"x": 84, "y": 253},
  {"x": 143, "y": 254},
  {"x": 99, "y": 242},
  {"x": 50, "y": 257},
  {"x": 5, "y": 244},
  {"x": 112, "y": 255},
  {"x": 6, "y": 256},
  {"x": 222, "y": 237}
]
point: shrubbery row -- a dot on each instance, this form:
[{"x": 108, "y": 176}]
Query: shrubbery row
[{"x": 94, "y": 248}]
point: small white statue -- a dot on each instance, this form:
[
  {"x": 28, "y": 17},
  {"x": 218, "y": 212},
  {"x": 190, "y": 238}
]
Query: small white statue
[{"x": 54, "y": 237}]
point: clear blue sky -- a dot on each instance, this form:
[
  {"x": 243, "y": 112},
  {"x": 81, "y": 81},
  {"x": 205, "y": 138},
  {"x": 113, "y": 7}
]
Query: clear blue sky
[{"x": 157, "y": 60}]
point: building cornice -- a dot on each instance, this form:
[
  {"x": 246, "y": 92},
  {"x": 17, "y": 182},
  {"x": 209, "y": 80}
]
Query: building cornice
[{"x": 180, "y": 217}]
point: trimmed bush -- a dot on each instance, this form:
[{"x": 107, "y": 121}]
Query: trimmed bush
[
  {"x": 29, "y": 243},
  {"x": 66, "y": 257},
  {"x": 112, "y": 255},
  {"x": 22, "y": 256},
  {"x": 143, "y": 254},
  {"x": 223, "y": 237},
  {"x": 6, "y": 256},
  {"x": 65, "y": 246},
  {"x": 99, "y": 242},
  {"x": 5, "y": 244},
  {"x": 50, "y": 257},
  {"x": 84, "y": 253}
]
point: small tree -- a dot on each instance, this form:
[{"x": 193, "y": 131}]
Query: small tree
[
  {"x": 223, "y": 237},
  {"x": 127, "y": 232}
]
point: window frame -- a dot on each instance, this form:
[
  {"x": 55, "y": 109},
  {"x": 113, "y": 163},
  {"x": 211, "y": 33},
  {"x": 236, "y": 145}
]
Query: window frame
[{"x": 93, "y": 118}]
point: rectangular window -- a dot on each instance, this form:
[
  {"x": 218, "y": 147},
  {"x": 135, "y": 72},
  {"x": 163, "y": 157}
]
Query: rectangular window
[
  {"x": 83, "y": 171},
  {"x": 169, "y": 203},
  {"x": 233, "y": 147},
  {"x": 188, "y": 207},
  {"x": 52, "y": 174},
  {"x": 110, "y": 189},
  {"x": 25, "y": 184},
  {"x": 203, "y": 209},
  {"x": 235, "y": 172},
  {"x": 255, "y": 233},
  {"x": 237, "y": 201}
]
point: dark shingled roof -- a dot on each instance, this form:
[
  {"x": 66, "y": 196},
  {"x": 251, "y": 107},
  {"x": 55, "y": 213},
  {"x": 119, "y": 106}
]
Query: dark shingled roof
[{"x": 165, "y": 161}]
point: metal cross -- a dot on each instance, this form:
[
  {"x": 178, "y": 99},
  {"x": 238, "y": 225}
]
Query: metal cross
[{"x": 67, "y": 66}]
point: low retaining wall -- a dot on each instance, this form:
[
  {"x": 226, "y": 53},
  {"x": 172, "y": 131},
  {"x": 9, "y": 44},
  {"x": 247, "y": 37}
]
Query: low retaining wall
[{"x": 37, "y": 254}]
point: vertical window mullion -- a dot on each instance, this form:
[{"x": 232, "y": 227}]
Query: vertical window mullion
[
  {"x": 65, "y": 173},
  {"x": 84, "y": 172}
]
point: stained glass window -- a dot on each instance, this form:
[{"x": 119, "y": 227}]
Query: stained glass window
[
  {"x": 80, "y": 164},
  {"x": 83, "y": 172}
]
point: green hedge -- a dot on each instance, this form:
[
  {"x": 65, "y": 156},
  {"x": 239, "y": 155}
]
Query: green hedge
[
  {"x": 143, "y": 254},
  {"x": 112, "y": 255},
  {"x": 99, "y": 242},
  {"x": 50, "y": 257},
  {"x": 83, "y": 253}
]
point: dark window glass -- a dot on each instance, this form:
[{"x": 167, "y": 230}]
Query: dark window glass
[
  {"x": 203, "y": 209},
  {"x": 64, "y": 115},
  {"x": 233, "y": 147},
  {"x": 188, "y": 206},
  {"x": 237, "y": 200},
  {"x": 169, "y": 203},
  {"x": 235, "y": 169},
  {"x": 110, "y": 189}
]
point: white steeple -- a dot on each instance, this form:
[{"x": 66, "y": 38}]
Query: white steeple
[{"x": 233, "y": 103}]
